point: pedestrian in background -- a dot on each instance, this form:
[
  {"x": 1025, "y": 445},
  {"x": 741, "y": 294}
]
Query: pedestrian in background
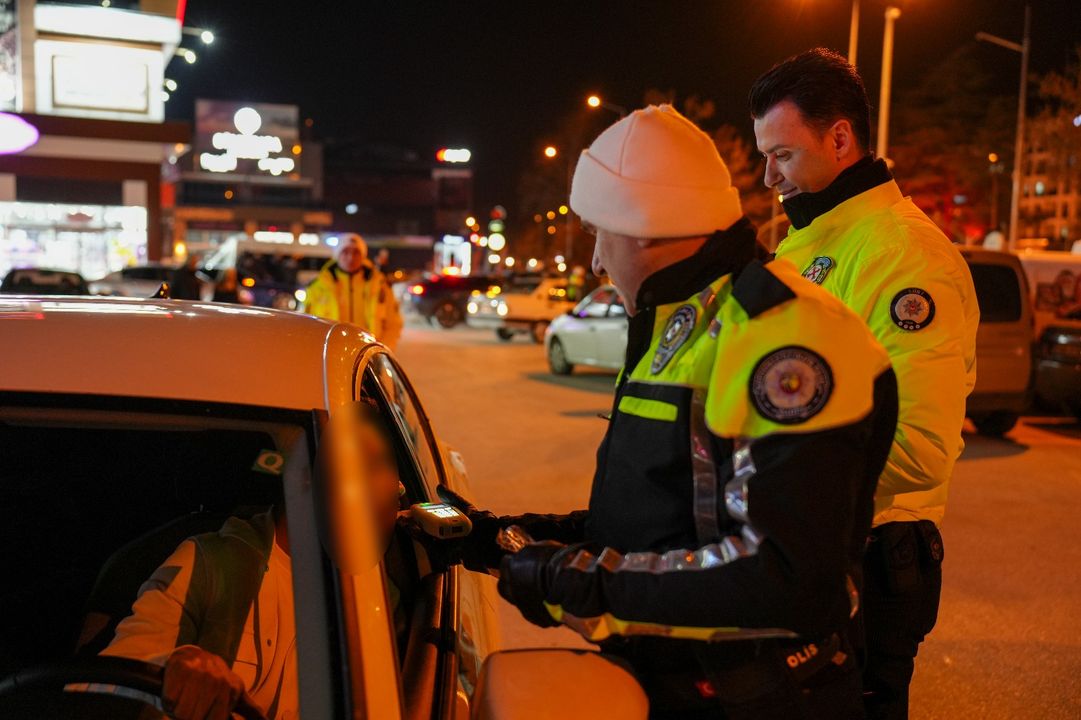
[
  {"x": 185, "y": 284},
  {"x": 854, "y": 234},
  {"x": 351, "y": 289}
]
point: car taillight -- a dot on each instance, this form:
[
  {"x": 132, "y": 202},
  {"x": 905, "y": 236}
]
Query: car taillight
[
  {"x": 417, "y": 289},
  {"x": 1061, "y": 345}
]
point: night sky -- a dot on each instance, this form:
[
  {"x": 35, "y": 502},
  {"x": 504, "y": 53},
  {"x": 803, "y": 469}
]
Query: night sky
[{"x": 500, "y": 77}]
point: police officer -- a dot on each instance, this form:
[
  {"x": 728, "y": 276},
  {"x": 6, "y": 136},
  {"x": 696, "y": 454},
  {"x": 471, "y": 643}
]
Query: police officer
[
  {"x": 352, "y": 289},
  {"x": 733, "y": 489},
  {"x": 855, "y": 235}
]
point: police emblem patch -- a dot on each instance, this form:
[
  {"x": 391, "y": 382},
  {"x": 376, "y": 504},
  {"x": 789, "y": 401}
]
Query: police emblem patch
[
  {"x": 676, "y": 332},
  {"x": 819, "y": 268},
  {"x": 912, "y": 309},
  {"x": 791, "y": 385}
]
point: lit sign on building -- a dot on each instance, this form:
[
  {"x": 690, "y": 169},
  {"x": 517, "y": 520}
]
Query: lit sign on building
[
  {"x": 249, "y": 139},
  {"x": 16, "y": 134}
]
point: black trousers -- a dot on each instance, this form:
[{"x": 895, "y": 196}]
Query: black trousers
[{"x": 902, "y": 582}]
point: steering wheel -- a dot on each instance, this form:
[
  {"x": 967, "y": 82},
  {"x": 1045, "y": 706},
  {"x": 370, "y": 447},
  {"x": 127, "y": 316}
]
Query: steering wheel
[{"x": 132, "y": 674}]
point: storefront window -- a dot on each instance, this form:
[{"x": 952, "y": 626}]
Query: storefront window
[{"x": 92, "y": 240}]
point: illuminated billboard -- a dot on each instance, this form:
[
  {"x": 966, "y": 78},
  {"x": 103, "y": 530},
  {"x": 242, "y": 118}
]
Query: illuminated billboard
[{"x": 247, "y": 139}]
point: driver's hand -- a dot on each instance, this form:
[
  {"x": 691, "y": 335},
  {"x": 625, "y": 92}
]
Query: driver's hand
[{"x": 199, "y": 685}]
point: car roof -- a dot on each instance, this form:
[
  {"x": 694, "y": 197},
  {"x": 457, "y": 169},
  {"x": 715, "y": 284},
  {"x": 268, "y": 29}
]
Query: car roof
[{"x": 171, "y": 349}]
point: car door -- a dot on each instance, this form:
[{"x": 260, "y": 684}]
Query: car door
[{"x": 579, "y": 333}]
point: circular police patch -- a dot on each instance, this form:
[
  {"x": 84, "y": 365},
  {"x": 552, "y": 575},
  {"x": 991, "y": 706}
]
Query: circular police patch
[
  {"x": 912, "y": 309},
  {"x": 819, "y": 268},
  {"x": 676, "y": 332},
  {"x": 791, "y": 385}
]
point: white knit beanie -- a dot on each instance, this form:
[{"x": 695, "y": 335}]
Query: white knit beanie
[{"x": 654, "y": 174}]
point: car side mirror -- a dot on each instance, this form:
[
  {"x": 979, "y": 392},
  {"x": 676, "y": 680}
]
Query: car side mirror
[{"x": 514, "y": 683}]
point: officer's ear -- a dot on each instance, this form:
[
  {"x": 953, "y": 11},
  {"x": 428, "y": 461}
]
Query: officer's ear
[{"x": 843, "y": 139}]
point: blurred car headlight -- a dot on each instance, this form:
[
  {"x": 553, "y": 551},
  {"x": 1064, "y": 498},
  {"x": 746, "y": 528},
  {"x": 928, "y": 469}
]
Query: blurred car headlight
[
  {"x": 301, "y": 295},
  {"x": 472, "y": 308},
  {"x": 502, "y": 309}
]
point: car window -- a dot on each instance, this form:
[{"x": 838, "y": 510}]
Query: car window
[
  {"x": 998, "y": 292},
  {"x": 386, "y": 384},
  {"x": 85, "y": 527},
  {"x": 597, "y": 304},
  {"x": 145, "y": 273}
]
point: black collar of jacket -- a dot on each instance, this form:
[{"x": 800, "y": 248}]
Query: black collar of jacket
[
  {"x": 724, "y": 252},
  {"x": 866, "y": 174},
  {"x": 336, "y": 270}
]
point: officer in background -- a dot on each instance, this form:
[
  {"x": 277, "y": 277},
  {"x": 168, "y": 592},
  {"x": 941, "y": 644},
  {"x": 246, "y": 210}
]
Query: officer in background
[
  {"x": 855, "y": 235},
  {"x": 733, "y": 490},
  {"x": 351, "y": 289}
]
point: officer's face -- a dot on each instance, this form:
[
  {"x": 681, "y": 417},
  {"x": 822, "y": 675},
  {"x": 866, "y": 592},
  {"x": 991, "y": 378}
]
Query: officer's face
[
  {"x": 618, "y": 257},
  {"x": 350, "y": 258},
  {"x": 799, "y": 158}
]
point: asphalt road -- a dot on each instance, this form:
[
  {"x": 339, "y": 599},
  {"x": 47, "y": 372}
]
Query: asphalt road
[{"x": 1008, "y": 640}]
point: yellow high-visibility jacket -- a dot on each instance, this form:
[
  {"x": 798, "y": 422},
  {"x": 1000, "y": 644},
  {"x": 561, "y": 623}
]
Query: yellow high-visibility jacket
[
  {"x": 888, "y": 262},
  {"x": 363, "y": 298}
]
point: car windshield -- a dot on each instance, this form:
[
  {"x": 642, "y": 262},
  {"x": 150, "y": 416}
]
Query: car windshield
[
  {"x": 93, "y": 499},
  {"x": 601, "y": 302},
  {"x": 522, "y": 286}
]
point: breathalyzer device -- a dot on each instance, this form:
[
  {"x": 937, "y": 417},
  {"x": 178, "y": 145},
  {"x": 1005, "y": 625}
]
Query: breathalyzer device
[{"x": 440, "y": 520}]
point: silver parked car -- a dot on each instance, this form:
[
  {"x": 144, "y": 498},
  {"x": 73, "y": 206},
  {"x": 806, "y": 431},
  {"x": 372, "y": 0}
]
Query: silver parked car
[
  {"x": 593, "y": 333},
  {"x": 137, "y": 281}
]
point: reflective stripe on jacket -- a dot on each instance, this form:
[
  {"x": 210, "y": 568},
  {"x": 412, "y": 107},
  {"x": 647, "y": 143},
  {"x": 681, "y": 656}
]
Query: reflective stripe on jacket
[{"x": 889, "y": 263}]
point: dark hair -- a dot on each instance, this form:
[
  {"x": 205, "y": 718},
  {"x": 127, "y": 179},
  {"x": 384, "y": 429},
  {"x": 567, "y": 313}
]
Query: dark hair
[{"x": 825, "y": 88}]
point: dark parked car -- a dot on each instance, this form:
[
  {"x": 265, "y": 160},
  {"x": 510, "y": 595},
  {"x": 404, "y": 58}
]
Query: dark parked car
[
  {"x": 1058, "y": 368},
  {"x": 442, "y": 299},
  {"x": 39, "y": 281}
]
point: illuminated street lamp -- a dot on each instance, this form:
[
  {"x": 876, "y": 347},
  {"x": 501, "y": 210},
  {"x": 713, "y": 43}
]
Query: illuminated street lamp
[
  {"x": 188, "y": 55},
  {"x": 594, "y": 101},
  {"x": 207, "y": 36},
  {"x": 170, "y": 84},
  {"x": 550, "y": 151}
]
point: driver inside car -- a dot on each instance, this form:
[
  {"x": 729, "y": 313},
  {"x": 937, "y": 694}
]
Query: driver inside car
[{"x": 218, "y": 613}]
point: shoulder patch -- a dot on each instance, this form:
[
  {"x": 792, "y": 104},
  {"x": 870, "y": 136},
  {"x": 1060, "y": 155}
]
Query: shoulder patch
[
  {"x": 676, "y": 332},
  {"x": 819, "y": 268},
  {"x": 791, "y": 385},
  {"x": 912, "y": 309}
]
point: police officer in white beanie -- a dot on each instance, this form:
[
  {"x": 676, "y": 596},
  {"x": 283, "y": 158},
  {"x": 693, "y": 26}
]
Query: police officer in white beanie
[{"x": 733, "y": 489}]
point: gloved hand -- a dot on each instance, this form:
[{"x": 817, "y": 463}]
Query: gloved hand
[
  {"x": 479, "y": 550},
  {"x": 525, "y": 578}
]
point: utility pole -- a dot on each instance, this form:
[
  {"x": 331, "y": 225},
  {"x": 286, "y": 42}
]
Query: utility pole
[
  {"x": 854, "y": 33},
  {"x": 882, "y": 147},
  {"x": 1019, "y": 141}
]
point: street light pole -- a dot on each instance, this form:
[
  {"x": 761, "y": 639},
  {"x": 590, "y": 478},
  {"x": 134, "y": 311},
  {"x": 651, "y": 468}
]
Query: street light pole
[
  {"x": 1019, "y": 141},
  {"x": 854, "y": 33},
  {"x": 882, "y": 147}
]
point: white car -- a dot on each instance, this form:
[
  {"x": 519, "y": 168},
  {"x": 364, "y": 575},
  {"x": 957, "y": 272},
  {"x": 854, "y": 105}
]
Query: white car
[
  {"x": 128, "y": 425},
  {"x": 593, "y": 333},
  {"x": 526, "y": 305},
  {"x": 140, "y": 281}
]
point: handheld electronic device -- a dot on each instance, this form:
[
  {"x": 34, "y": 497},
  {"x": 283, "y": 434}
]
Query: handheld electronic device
[{"x": 441, "y": 520}]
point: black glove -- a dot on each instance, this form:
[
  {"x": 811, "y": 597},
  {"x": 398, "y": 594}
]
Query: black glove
[
  {"x": 478, "y": 550},
  {"x": 526, "y": 576}
]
